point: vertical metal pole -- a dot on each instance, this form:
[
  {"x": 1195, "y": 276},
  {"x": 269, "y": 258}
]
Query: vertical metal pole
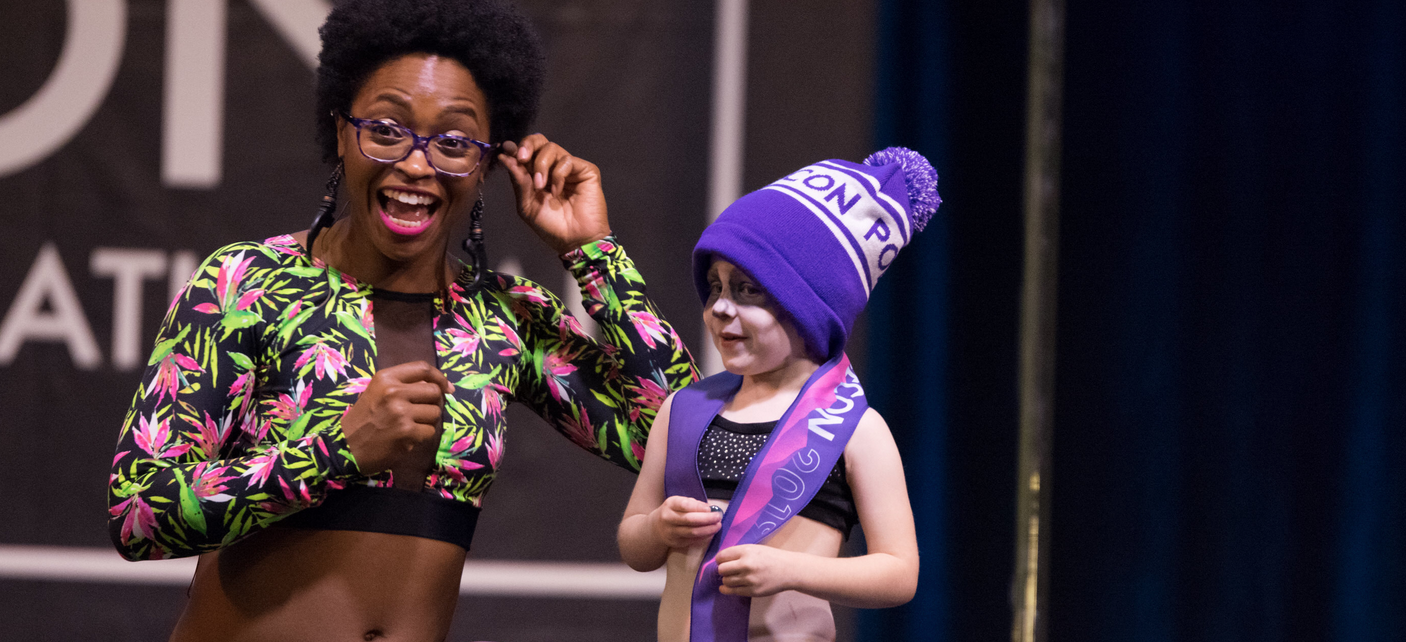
[
  {"x": 729, "y": 129},
  {"x": 1030, "y": 586}
]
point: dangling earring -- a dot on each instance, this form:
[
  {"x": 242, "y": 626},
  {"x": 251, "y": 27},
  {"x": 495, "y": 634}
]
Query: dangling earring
[
  {"x": 324, "y": 217},
  {"x": 473, "y": 246}
]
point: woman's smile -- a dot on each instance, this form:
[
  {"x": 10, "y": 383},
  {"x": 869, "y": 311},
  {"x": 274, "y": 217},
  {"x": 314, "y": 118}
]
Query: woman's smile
[{"x": 405, "y": 211}]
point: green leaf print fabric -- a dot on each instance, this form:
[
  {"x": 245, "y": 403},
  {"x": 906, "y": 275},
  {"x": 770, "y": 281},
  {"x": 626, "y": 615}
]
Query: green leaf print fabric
[{"x": 237, "y": 421}]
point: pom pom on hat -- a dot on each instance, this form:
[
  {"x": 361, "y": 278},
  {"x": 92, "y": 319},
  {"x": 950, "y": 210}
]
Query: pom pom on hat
[{"x": 920, "y": 178}]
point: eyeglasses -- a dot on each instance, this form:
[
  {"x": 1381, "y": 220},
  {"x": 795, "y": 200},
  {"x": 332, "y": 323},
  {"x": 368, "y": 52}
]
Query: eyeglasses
[{"x": 386, "y": 142}]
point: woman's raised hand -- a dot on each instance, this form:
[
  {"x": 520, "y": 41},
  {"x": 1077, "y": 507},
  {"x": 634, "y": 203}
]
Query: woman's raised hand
[
  {"x": 681, "y": 522},
  {"x": 400, "y": 408},
  {"x": 558, "y": 195}
]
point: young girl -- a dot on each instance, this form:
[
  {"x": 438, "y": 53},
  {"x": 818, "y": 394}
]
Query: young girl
[{"x": 754, "y": 477}]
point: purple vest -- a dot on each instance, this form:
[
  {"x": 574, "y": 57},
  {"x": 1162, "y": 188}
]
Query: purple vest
[{"x": 807, "y": 442}]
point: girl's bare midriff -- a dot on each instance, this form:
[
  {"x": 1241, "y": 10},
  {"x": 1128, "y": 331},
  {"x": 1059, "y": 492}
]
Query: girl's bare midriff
[
  {"x": 788, "y": 616},
  {"x": 319, "y": 585}
]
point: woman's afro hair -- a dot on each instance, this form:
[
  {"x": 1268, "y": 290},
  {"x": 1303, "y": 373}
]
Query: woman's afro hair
[{"x": 490, "y": 38}]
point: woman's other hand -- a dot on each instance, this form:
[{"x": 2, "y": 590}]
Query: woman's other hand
[
  {"x": 558, "y": 195},
  {"x": 400, "y": 408},
  {"x": 681, "y": 522},
  {"x": 754, "y": 570}
]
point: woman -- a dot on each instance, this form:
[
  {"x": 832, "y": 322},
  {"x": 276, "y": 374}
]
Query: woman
[
  {"x": 755, "y": 476},
  {"x": 323, "y": 412}
]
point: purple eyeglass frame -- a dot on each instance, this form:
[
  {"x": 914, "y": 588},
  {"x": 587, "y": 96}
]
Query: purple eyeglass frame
[{"x": 419, "y": 142}]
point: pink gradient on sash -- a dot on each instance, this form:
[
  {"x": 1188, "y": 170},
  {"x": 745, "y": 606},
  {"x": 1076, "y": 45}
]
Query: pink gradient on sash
[{"x": 790, "y": 439}]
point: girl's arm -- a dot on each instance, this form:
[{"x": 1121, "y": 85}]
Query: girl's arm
[
  {"x": 887, "y": 576},
  {"x": 653, "y": 524}
]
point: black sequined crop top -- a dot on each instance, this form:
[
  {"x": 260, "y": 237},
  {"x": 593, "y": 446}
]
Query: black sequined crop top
[{"x": 728, "y": 447}]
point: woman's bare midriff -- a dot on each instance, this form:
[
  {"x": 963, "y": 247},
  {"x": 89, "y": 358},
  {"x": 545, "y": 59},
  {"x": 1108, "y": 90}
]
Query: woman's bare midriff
[
  {"x": 288, "y": 584},
  {"x": 785, "y": 617}
]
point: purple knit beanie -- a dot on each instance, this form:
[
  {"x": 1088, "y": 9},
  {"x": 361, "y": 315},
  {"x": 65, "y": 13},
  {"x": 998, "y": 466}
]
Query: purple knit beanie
[{"x": 819, "y": 239}]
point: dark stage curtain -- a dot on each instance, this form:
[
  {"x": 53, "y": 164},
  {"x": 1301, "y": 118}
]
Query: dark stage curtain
[
  {"x": 1229, "y": 442},
  {"x": 942, "y": 323}
]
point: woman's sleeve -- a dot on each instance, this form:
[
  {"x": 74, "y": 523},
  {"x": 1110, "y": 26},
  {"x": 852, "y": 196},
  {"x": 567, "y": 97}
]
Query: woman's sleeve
[
  {"x": 602, "y": 395},
  {"x": 193, "y": 470}
]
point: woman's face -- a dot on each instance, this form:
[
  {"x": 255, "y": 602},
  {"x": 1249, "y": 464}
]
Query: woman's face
[
  {"x": 407, "y": 209},
  {"x": 742, "y": 319}
]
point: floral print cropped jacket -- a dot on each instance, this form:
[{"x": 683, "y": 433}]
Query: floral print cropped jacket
[{"x": 237, "y": 421}]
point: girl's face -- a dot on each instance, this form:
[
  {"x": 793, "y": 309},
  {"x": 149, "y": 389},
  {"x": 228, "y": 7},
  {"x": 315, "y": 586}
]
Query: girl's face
[
  {"x": 408, "y": 209},
  {"x": 743, "y": 321}
]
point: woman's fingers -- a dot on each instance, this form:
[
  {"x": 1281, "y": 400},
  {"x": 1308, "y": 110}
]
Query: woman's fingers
[
  {"x": 560, "y": 171},
  {"x": 417, "y": 371}
]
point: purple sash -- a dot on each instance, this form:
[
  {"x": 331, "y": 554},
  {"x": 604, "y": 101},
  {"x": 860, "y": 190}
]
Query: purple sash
[{"x": 800, "y": 453}]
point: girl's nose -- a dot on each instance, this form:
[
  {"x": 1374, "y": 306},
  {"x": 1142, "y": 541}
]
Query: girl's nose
[{"x": 722, "y": 307}]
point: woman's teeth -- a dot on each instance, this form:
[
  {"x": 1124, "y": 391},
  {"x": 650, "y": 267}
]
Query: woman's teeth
[
  {"x": 410, "y": 199},
  {"x": 407, "y": 212}
]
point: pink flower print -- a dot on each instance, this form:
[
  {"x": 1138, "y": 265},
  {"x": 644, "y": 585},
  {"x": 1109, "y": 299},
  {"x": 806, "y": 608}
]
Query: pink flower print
[
  {"x": 301, "y": 498},
  {"x": 456, "y": 293},
  {"x": 112, "y": 477},
  {"x": 259, "y": 468},
  {"x": 556, "y": 366},
  {"x": 649, "y": 327},
  {"x": 493, "y": 401},
  {"x": 569, "y": 328},
  {"x": 649, "y": 394},
  {"x": 579, "y": 430},
  {"x": 229, "y": 278},
  {"x": 326, "y": 360},
  {"x": 293, "y": 310},
  {"x": 243, "y": 384},
  {"x": 512, "y": 338},
  {"x": 464, "y": 343},
  {"x": 594, "y": 298},
  {"x": 462, "y": 445},
  {"x": 350, "y": 281},
  {"x": 458, "y": 469},
  {"x": 170, "y": 375},
  {"x": 284, "y": 244},
  {"x": 151, "y": 436},
  {"x": 287, "y": 408},
  {"x": 140, "y": 522},
  {"x": 495, "y": 449},
  {"x": 211, "y": 436},
  {"x": 356, "y": 385},
  {"x": 254, "y": 430},
  {"x": 527, "y": 292},
  {"x": 637, "y": 450},
  {"x": 243, "y": 387},
  {"x": 368, "y": 318},
  {"x": 209, "y": 483}
]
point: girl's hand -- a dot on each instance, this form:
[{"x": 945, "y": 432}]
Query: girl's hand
[
  {"x": 558, "y": 195},
  {"x": 682, "y": 522},
  {"x": 399, "y": 409},
  {"x": 754, "y": 570}
]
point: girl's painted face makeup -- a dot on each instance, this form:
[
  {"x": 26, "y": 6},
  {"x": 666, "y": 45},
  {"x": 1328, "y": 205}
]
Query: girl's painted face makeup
[{"x": 743, "y": 322}]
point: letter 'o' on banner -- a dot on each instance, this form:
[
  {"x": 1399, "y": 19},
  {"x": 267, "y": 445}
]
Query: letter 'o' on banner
[{"x": 92, "y": 49}]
